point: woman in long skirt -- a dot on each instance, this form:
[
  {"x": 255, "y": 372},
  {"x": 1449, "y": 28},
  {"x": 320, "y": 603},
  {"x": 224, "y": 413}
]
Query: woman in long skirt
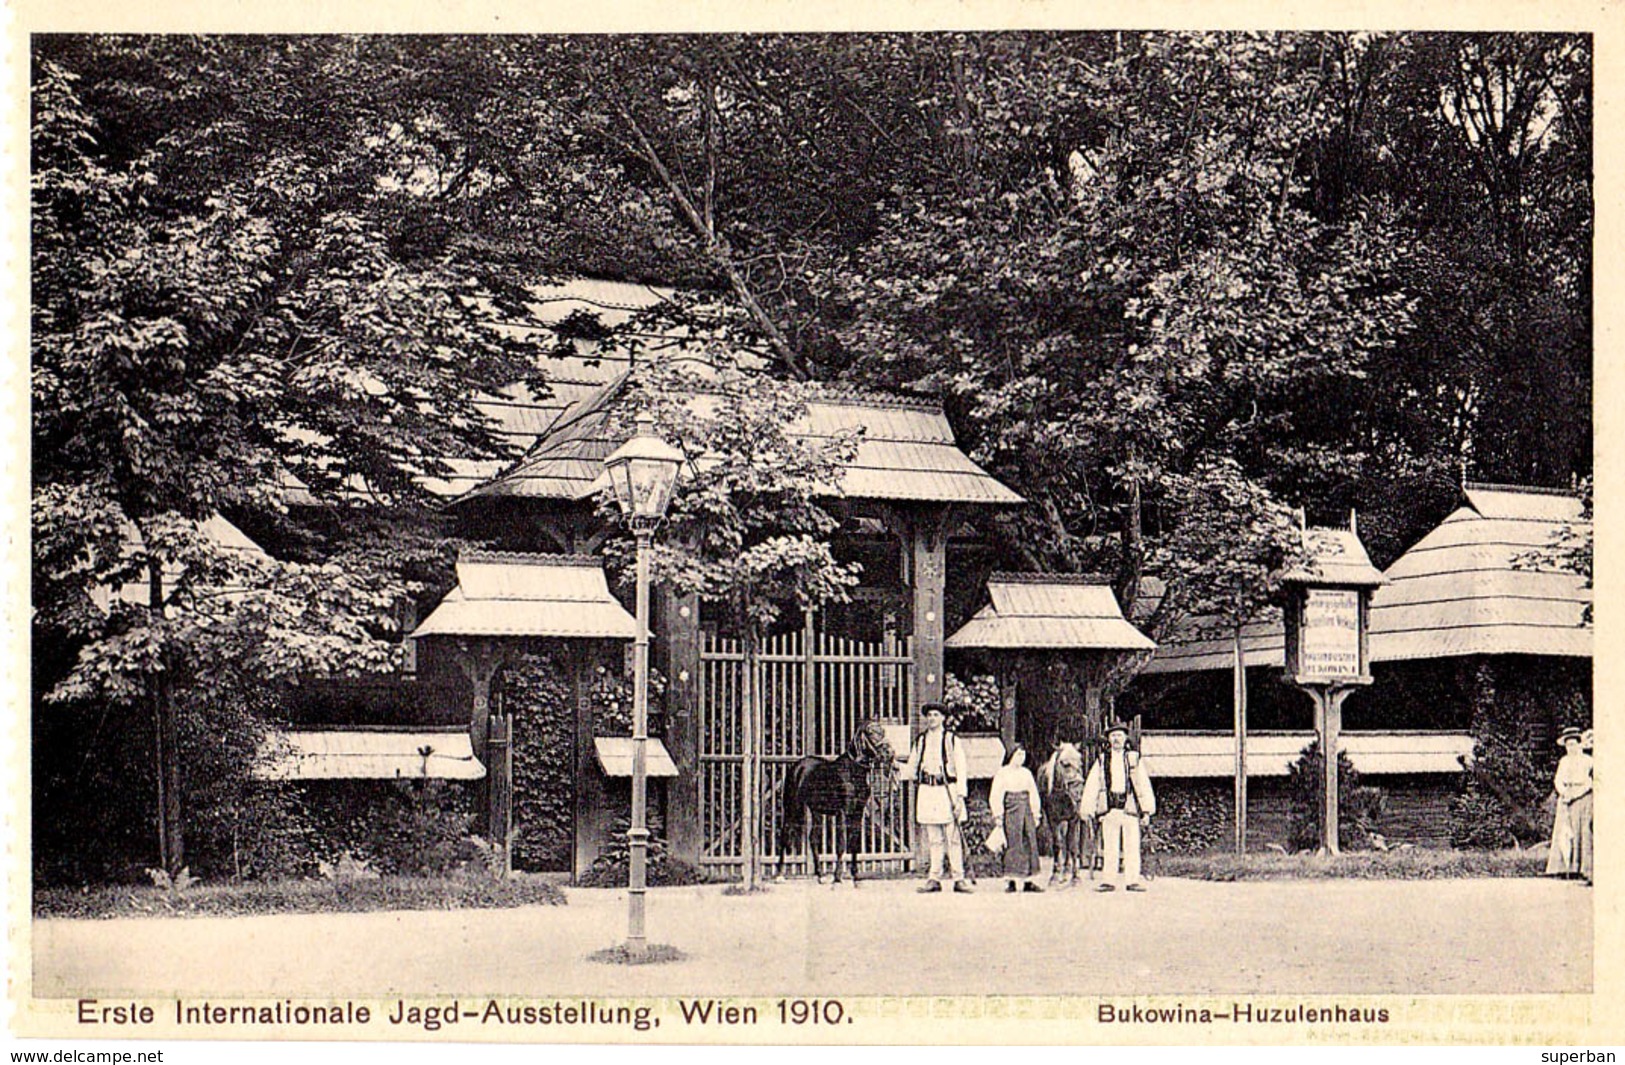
[
  {"x": 1014, "y": 802},
  {"x": 1571, "y": 830}
]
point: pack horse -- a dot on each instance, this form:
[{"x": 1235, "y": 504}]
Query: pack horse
[
  {"x": 1060, "y": 782},
  {"x": 843, "y": 787}
]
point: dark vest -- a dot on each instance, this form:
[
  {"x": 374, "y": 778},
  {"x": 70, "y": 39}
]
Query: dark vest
[
  {"x": 948, "y": 771},
  {"x": 1118, "y": 800}
]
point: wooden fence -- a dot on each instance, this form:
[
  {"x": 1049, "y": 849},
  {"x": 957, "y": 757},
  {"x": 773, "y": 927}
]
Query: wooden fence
[{"x": 815, "y": 689}]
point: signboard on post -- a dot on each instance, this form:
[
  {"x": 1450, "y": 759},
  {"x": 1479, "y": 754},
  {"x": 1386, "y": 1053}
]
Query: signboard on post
[
  {"x": 1330, "y": 650},
  {"x": 1327, "y": 604}
]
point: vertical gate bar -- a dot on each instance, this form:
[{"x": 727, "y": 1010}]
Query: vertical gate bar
[{"x": 808, "y": 730}]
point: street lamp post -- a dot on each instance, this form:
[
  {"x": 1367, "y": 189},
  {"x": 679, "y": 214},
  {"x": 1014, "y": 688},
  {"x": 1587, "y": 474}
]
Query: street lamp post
[{"x": 643, "y": 472}]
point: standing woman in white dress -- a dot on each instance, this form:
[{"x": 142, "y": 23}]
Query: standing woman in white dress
[{"x": 1570, "y": 854}]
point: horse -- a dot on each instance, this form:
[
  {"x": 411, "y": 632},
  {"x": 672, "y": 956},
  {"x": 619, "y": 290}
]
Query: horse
[
  {"x": 842, "y": 787},
  {"x": 1060, "y": 782}
]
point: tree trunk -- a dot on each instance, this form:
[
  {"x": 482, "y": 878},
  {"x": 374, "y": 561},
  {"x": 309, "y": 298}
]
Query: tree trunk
[
  {"x": 1240, "y": 709},
  {"x": 166, "y": 736},
  {"x": 1133, "y": 567}
]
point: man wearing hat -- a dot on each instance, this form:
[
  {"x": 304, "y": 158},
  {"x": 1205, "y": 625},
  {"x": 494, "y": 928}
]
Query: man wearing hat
[
  {"x": 1571, "y": 829},
  {"x": 1118, "y": 792},
  {"x": 937, "y": 764}
]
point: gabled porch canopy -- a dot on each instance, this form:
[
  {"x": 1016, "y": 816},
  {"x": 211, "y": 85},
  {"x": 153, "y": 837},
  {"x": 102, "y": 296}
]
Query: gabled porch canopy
[
  {"x": 1050, "y": 612},
  {"x": 906, "y": 451},
  {"x": 503, "y": 599},
  {"x": 503, "y": 593},
  {"x": 1047, "y": 613}
]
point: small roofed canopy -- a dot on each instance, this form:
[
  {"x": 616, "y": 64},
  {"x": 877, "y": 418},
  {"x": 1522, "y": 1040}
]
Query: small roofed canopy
[
  {"x": 1049, "y": 611},
  {"x": 369, "y": 754},
  {"x": 1336, "y": 557},
  {"x": 615, "y": 756},
  {"x": 505, "y": 593}
]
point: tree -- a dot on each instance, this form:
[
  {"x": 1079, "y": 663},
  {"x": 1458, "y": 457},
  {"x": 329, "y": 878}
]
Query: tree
[
  {"x": 1128, "y": 345},
  {"x": 748, "y": 530},
  {"x": 223, "y": 307}
]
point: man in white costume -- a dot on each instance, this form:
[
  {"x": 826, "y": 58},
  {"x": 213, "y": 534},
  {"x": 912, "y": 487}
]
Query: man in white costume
[
  {"x": 1118, "y": 793},
  {"x": 937, "y": 764}
]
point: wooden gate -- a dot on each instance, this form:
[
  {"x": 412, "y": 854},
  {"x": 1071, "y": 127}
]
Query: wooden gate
[{"x": 815, "y": 689}]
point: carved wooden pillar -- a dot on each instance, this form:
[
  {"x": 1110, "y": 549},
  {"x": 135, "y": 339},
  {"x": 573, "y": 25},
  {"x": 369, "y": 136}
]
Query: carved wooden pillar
[
  {"x": 929, "y": 573},
  {"x": 928, "y": 576},
  {"x": 589, "y": 797},
  {"x": 480, "y": 660},
  {"x": 1007, "y": 707},
  {"x": 680, "y": 629}
]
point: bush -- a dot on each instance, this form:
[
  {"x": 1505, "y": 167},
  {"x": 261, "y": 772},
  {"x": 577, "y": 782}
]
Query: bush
[
  {"x": 613, "y": 866},
  {"x": 1515, "y": 705},
  {"x": 94, "y": 790},
  {"x": 238, "y": 827},
  {"x": 1192, "y": 816},
  {"x": 1358, "y": 808},
  {"x": 423, "y": 829},
  {"x": 1479, "y": 821}
]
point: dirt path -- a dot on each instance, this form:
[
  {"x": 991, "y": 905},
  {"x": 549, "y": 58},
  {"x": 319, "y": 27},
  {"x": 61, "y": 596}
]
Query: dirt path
[{"x": 1182, "y": 937}]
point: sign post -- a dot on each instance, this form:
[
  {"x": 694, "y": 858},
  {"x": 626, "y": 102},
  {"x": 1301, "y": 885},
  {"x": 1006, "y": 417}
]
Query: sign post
[{"x": 1328, "y": 605}]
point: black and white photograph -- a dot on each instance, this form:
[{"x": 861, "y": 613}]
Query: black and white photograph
[{"x": 765, "y": 536}]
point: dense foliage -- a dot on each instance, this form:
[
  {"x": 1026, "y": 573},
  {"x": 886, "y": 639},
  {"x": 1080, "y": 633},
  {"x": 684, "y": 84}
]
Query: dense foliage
[
  {"x": 1169, "y": 286},
  {"x": 1192, "y": 816},
  {"x": 1518, "y": 709},
  {"x": 612, "y": 867}
]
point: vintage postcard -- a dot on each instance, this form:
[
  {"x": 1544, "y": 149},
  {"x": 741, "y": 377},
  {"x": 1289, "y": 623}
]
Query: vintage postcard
[{"x": 981, "y": 524}]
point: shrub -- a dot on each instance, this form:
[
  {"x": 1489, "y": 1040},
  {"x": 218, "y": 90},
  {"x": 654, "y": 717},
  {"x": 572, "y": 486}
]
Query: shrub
[
  {"x": 235, "y": 827},
  {"x": 238, "y": 827},
  {"x": 1515, "y": 706},
  {"x": 1359, "y": 808},
  {"x": 613, "y": 866},
  {"x": 422, "y": 829},
  {"x": 1192, "y": 816}
]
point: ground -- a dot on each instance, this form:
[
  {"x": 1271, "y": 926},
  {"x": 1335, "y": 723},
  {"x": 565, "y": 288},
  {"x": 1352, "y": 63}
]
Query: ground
[{"x": 1181, "y": 937}]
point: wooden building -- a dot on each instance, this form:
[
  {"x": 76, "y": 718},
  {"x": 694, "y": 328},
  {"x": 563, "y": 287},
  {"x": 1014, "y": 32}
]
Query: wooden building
[
  {"x": 901, "y": 499},
  {"x": 1469, "y": 625}
]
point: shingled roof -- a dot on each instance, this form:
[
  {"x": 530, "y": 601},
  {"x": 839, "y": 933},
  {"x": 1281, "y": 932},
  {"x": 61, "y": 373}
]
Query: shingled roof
[
  {"x": 1469, "y": 586},
  {"x": 504, "y": 593},
  {"x": 1466, "y": 588},
  {"x": 906, "y": 451},
  {"x": 1050, "y": 611}
]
